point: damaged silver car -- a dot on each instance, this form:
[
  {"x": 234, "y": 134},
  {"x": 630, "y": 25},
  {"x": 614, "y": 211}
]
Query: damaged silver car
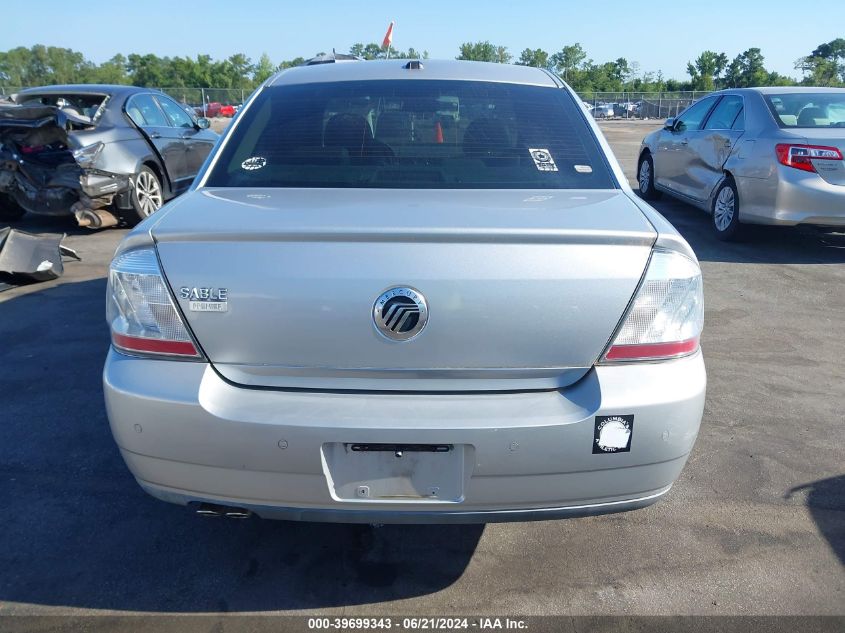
[{"x": 100, "y": 153}]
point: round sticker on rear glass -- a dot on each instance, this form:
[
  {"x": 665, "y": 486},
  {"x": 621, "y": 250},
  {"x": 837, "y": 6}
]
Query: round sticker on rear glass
[
  {"x": 253, "y": 163},
  {"x": 543, "y": 160}
]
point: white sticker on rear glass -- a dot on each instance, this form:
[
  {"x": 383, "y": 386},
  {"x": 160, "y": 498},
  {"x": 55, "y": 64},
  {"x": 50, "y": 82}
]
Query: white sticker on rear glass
[
  {"x": 542, "y": 159},
  {"x": 253, "y": 163},
  {"x": 583, "y": 169}
]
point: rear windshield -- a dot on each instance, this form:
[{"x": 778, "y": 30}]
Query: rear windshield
[
  {"x": 413, "y": 134},
  {"x": 808, "y": 110},
  {"x": 85, "y": 106}
]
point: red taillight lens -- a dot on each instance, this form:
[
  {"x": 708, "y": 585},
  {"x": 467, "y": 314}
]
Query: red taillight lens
[
  {"x": 652, "y": 350},
  {"x": 153, "y": 346},
  {"x": 802, "y": 156}
]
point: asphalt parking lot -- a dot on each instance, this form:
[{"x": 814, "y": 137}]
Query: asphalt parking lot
[{"x": 755, "y": 525}]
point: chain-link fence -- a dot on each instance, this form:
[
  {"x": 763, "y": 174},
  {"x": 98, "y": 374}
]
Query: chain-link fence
[
  {"x": 602, "y": 105},
  {"x": 638, "y": 105},
  {"x": 199, "y": 96}
]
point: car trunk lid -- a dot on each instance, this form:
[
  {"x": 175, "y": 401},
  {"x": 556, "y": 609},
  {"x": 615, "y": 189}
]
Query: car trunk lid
[{"x": 524, "y": 288}]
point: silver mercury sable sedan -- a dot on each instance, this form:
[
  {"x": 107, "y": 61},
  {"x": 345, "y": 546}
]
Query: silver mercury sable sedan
[{"x": 407, "y": 292}]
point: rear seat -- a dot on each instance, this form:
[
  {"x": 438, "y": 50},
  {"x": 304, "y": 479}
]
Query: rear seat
[{"x": 398, "y": 129}]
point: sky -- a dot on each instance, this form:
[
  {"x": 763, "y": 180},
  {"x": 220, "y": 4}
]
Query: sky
[{"x": 664, "y": 37}]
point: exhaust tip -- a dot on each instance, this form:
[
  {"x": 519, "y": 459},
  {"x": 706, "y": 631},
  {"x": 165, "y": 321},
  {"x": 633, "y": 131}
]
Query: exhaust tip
[
  {"x": 209, "y": 510},
  {"x": 215, "y": 510},
  {"x": 237, "y": 513}
]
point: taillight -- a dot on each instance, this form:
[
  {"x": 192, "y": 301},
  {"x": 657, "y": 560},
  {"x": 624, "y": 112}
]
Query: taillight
[
  {"x": 140, "y": 311},
  {"x": 667, "y": 314},
  {"x": 802, "y": 156},
  {"x": 86, "y": 156}
]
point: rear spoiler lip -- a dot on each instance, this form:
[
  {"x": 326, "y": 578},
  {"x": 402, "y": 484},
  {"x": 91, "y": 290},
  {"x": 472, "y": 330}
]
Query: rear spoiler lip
[{"x": 446, "y": 235}]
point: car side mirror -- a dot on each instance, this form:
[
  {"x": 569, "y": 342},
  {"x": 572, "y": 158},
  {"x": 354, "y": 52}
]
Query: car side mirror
[
  {"x": 203, "y": 123},
  {"x": 670, "y": 124}
]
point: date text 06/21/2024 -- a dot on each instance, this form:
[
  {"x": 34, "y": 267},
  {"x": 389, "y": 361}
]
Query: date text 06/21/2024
[{"x": 418, "y": 623}]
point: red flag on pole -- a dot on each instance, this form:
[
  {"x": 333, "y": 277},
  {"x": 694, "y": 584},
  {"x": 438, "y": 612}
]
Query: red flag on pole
[{"x": 388, "y": 37}]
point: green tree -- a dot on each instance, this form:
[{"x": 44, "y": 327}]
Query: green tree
[
  {"x": 673, "y": 85},
  {"x": 833, "y": 50},
  {"x": 374, "y": 51},
  {"x": 203, "y": 72},
  {"x": 537, "y": 58},
  {"x": 484, "y": 52},
  {"x": 146, "y": 70},
  {"x": 296, "y": 61},
  {"x": 263, "y": 69},
  {"x": 179, "y": 72},
  {"x": 45, "y": 65},
  {"x": 632, "y": 78},
  {"x": 825, "y": 66},
  {"x": 113, "y": 71},
  {"x": 621, "y": 70},
  {"x": 238, "y": 69},
  {"x": 568, "y": 60},
  {"x": 818, "y": 71},
  {"x": 747, "y": 70},
  {"x": 776, "y": 79},
  {"x": 706, "y": 69}
]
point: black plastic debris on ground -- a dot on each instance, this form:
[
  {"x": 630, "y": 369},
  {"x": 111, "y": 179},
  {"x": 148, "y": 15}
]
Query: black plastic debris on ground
[{"x": 27, "y": 258}]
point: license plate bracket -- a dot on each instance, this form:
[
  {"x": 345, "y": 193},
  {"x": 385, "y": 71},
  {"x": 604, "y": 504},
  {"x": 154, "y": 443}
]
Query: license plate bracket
[{"x": 395, "y": 472}]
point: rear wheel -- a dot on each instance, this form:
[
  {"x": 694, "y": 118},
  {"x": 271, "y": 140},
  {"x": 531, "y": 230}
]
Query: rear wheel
[
  {"x": 645, "y": 178},
  {"x": 725, "y": 214},
  {"x": 147, "y": 196},
  {"x": 9, "y": 209}
]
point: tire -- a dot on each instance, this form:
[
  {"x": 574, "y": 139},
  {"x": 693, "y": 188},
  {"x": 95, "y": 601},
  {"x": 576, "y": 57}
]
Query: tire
[
  {"x": 725, "y": 212},
  {"x": 10, "y": 211},
  {"x": 645, "y": 178},
  {"x": 147, "y": 196}
]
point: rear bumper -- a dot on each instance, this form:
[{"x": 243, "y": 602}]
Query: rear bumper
[
  {"x": 92, "y": 188},
  {"x": 792, "y": 197},
  {"x": 189, "y": 436},
  {"x": 346, "y": 515},
  {"x": 96, "y": 184}
]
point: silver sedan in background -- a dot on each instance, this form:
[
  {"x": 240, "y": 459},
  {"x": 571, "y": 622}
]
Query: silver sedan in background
[{"x": 755, "y": 156}]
